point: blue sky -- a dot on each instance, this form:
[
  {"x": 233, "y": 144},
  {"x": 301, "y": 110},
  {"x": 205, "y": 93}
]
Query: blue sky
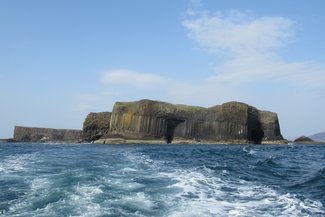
[{"x": 60, "y": 60}]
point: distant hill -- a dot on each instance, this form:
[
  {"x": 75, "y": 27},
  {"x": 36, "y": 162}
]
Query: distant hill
[
  {"x": 304, "y": 139},
  {"x": 318, "y": 137}
]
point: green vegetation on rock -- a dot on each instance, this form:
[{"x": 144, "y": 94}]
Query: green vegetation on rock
[{"x": 96, "y": 125}]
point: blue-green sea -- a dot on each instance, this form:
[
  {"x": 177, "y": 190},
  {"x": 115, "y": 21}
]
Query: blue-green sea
[{"x": 161, "y": 180}]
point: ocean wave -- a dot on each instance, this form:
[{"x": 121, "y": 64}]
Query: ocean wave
[
  {"x": 133, "y": 182},
  {"x": 249, "y": 150},
  {"x": 139, "y": 159},
  {"x": 269, "y": 161},
  {"x": 18, "y": 162},
  {"x": 203, "y": 195},
  {"x": 312, "y": 179}
]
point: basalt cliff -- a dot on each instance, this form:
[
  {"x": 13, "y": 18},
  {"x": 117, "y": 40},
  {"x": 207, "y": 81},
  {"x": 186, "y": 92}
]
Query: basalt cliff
[
  {"x": 36, "y": 134},
  {"x": 154, "y": 122},
  {"x": 161, "y": 122}
]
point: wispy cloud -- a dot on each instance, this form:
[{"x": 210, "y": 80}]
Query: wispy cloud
[
  {"x": 132, "y": 78},
  {"x": 249, "y": 45},
  {"x": 238, "y": 32}
]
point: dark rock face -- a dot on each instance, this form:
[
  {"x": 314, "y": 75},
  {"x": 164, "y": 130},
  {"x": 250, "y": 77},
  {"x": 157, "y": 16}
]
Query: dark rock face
[
  {"x": 270, "y": 125},
  {"x": 233, "y": 121},
  {"x": 96, "y": 125},
  {"x": 33, "y": 134},
  {"x": 304, "y": 139},
  {"x": 144, "y": 119}
]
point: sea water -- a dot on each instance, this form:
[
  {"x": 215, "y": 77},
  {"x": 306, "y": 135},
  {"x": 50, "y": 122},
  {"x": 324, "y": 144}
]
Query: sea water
[{"x": 161, "y": 180}]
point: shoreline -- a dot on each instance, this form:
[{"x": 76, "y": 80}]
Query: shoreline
[
  {"x": 118, "y": 141},
  {"x": 113, "y": 141}
]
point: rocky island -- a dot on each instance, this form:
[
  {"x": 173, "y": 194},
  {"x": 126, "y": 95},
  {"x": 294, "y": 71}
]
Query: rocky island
[
  {"x": 305, "y": 140},
  {"x": 156, "y": 122},
  {"x": 148, "y": 121}
]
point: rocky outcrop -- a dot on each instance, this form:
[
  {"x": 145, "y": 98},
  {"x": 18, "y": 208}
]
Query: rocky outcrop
[
  {"x": 33, "y": 134},
  {"x": 96, "y": 125},
  {"x": 229, "y": 122},
  {"x": 270, "y": 125},
  {"x": 305, "y": 140}
]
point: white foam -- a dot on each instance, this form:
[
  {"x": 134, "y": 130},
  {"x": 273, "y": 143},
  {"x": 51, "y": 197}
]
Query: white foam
[
  {"x": 252, "y": 152},
  {"x": 82, "y": 200},
  {"x": 139, "y": 159},
  {"x": 138, "y": 200},
  {"x": 122, "y": 184},
  {"x": 132, "y": 185},
  {"x": 15, "y": 163},
  {"x": 39, "y": 184},
  {"x": 129, "y": 169},
  {"x": 205, "y": 195},
  {"x": 249, "y": 150},
  {"x": 87, "y": 190},
  {"x": 245, "y": 149}
]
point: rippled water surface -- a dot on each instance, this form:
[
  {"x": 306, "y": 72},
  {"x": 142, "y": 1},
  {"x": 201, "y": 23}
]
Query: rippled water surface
[{"x": 162, "y": 180}]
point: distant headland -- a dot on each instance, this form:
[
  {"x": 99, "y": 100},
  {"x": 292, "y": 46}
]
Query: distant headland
[{"x": 155, "y": 122}]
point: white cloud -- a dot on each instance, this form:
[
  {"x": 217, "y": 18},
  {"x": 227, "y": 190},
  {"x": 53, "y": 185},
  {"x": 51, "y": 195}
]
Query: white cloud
[
  {"x": 238, "y": 32},
  {"x": 250, "y": 44},
  {"x": 132, "y": 78},
  {"x": 257, "y": 68}
]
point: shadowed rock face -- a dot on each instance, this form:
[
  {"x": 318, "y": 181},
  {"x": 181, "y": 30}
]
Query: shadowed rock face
[
  {"x": 33, "y": 134},
  {"x": 233, "y": 121},
  {"x": 96, "y": 125},
  {"x": 270, "y": 125},
  {"x": 304, "y": 139}
]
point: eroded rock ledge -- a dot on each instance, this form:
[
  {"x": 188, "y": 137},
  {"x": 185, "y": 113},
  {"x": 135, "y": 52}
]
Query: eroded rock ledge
[
  {"x": 148, "y": 120},
  {"x": 36, "y": 134}
]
